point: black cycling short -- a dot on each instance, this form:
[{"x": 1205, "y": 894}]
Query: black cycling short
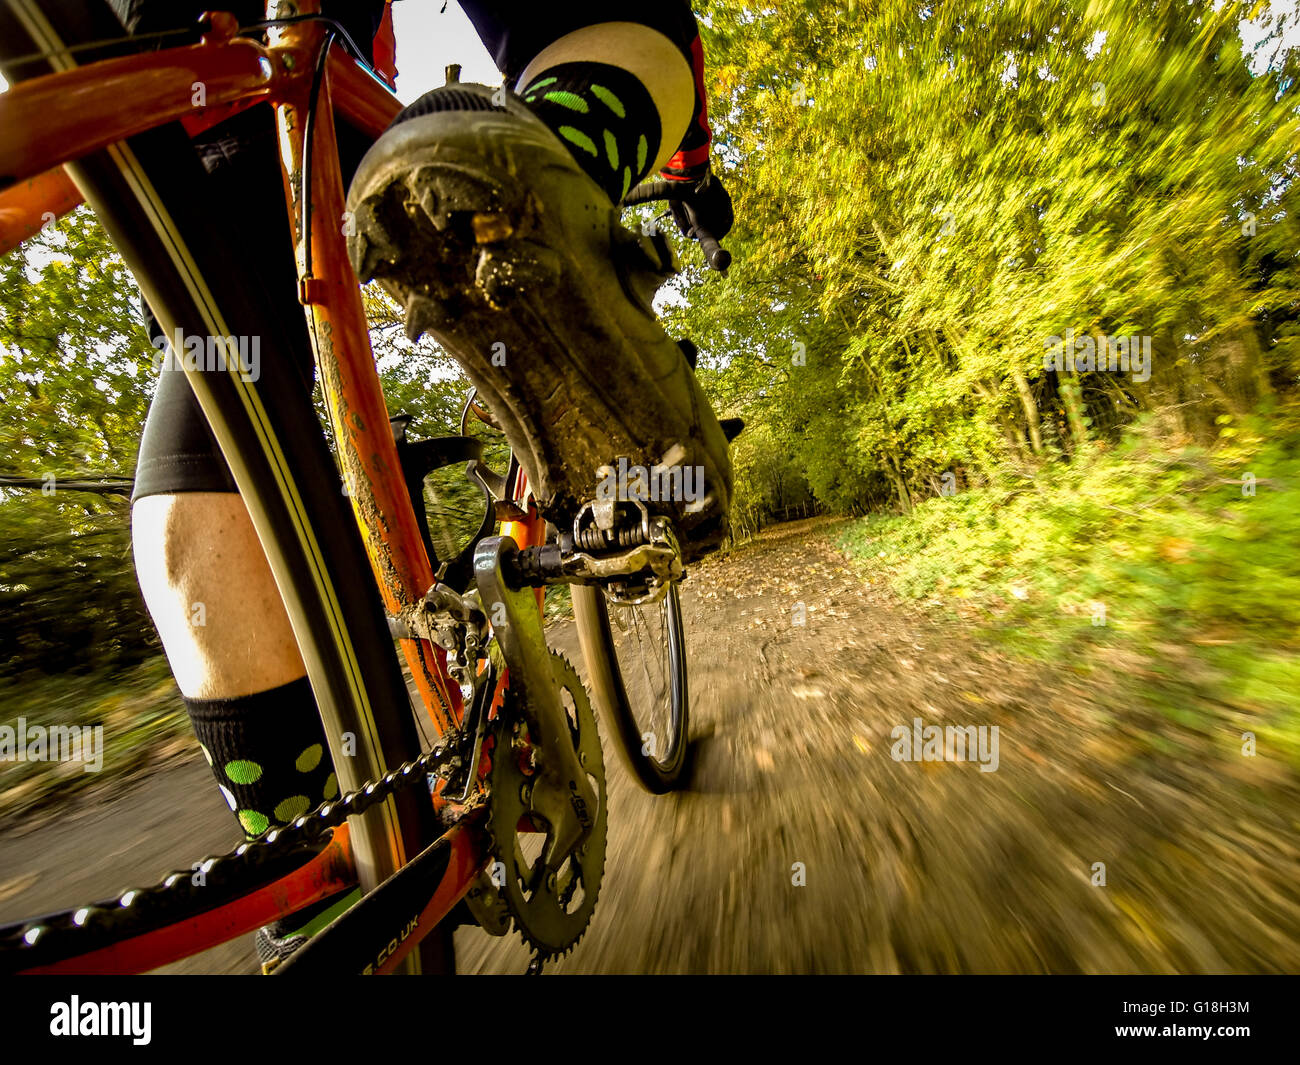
[{"x": 178, "y": 452}]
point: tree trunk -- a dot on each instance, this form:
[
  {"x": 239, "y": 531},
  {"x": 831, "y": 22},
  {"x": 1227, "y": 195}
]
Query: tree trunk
[
  {"x": 1031, "y": 409},
  {"x": 1072, "y": 400},
  {"x": 900, "y": 486}
]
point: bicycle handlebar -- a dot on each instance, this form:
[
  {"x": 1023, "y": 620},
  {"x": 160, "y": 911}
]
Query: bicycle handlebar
[
  {"x": 717, "y": 257},
  {"x": 650, "y": 191}
]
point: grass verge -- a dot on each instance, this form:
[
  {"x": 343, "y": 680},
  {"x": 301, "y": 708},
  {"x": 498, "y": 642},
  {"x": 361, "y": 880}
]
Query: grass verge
[
  {"x": 139, "y": 709},
  {"x": 1174, "y": 567}
]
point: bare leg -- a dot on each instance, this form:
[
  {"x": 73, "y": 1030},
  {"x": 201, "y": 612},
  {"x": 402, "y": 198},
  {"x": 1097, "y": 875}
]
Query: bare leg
[{"x": 207, "y": 584}]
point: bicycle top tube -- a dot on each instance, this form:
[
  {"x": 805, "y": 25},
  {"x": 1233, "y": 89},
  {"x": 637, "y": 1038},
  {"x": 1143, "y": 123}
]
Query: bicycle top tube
[{"x": 65, "y": 115}]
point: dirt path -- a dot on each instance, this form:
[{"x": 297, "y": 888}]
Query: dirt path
[
  {"x": 803, "y": 846},
  {"x": 99, "y": 846},
  {"x": 923, "y": 866}
]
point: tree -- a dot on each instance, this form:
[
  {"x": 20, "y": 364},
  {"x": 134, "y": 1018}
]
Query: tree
[{"x": 927, "y": 194}]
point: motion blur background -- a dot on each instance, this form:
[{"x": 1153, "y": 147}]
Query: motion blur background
[{"x": 932, "y": 520}]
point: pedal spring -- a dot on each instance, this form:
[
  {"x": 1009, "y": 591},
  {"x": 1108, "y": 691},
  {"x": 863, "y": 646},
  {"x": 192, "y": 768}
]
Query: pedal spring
[{"x": 593, "y": 538}]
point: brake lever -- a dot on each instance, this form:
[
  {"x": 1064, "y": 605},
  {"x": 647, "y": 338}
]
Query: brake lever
[{"x": 715, "y": 255}]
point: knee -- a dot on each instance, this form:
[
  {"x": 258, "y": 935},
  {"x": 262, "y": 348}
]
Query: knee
[{"x": 181, "y": 537}]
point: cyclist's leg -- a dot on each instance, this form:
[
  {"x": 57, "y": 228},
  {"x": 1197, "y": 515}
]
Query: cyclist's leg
[
  {"x": 603, "y": 104},
  {"x": 586, "y": 46},
  {"x": 203, "y": 573},
  {"x": 204, "y": 576}
]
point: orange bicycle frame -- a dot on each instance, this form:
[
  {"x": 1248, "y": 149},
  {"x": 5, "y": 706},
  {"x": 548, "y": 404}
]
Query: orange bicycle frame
[{"x": 59, "y": 118}]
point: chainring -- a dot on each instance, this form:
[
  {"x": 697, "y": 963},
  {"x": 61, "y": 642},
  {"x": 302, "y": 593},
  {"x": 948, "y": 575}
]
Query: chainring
[{"x": 550, "y": 912}]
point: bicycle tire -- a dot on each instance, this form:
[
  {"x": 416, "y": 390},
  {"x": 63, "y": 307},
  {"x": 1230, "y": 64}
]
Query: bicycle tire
[
  {"x": 142, "y": 191},
  {"x": 658, "y": 771}
]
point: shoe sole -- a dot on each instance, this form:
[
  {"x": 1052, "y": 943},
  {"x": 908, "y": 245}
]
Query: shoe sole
[{"x": 480, "y": 265}]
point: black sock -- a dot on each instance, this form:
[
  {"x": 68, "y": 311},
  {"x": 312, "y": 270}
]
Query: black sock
[
  {"x": 605, "y": 117},
  {"x": 268, "y": 752}
]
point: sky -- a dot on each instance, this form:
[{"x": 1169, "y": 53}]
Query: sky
[{"x": 429, "y": 38}]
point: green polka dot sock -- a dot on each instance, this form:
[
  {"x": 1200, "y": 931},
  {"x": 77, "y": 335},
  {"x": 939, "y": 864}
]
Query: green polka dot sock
[
  {"x": 604, "y": 116},
  {"x": 268, "y": 752}
]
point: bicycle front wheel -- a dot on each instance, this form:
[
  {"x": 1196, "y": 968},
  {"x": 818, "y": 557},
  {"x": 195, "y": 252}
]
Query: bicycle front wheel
[{"x": 636, "y": 662}]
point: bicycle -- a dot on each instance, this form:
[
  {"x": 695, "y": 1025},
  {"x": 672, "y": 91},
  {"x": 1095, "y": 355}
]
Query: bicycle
[{"x": 506, "y": 809}]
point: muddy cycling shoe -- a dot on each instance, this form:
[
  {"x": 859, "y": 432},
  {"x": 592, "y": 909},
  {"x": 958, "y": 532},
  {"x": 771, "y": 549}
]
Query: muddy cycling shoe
[{"x": 476, "y": 218}]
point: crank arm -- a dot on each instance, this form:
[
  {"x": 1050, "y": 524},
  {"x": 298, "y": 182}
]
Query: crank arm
[{"x": 561, "y": 795}]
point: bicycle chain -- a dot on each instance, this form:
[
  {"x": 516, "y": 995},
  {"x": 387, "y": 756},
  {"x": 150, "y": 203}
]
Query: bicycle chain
[{"x": 224, "y": 872}]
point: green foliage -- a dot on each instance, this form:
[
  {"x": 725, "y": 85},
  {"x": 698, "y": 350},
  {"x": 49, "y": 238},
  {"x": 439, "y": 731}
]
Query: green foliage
[
  {"x": 926, "y": 193},
  {"x": 75, "y": 383},
  {"x": 1168, "y": 547},
  {"x": 138, "y": 708},
  {"x": 1165, "y": 531},
  {"x": 75, "y": 364}
]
